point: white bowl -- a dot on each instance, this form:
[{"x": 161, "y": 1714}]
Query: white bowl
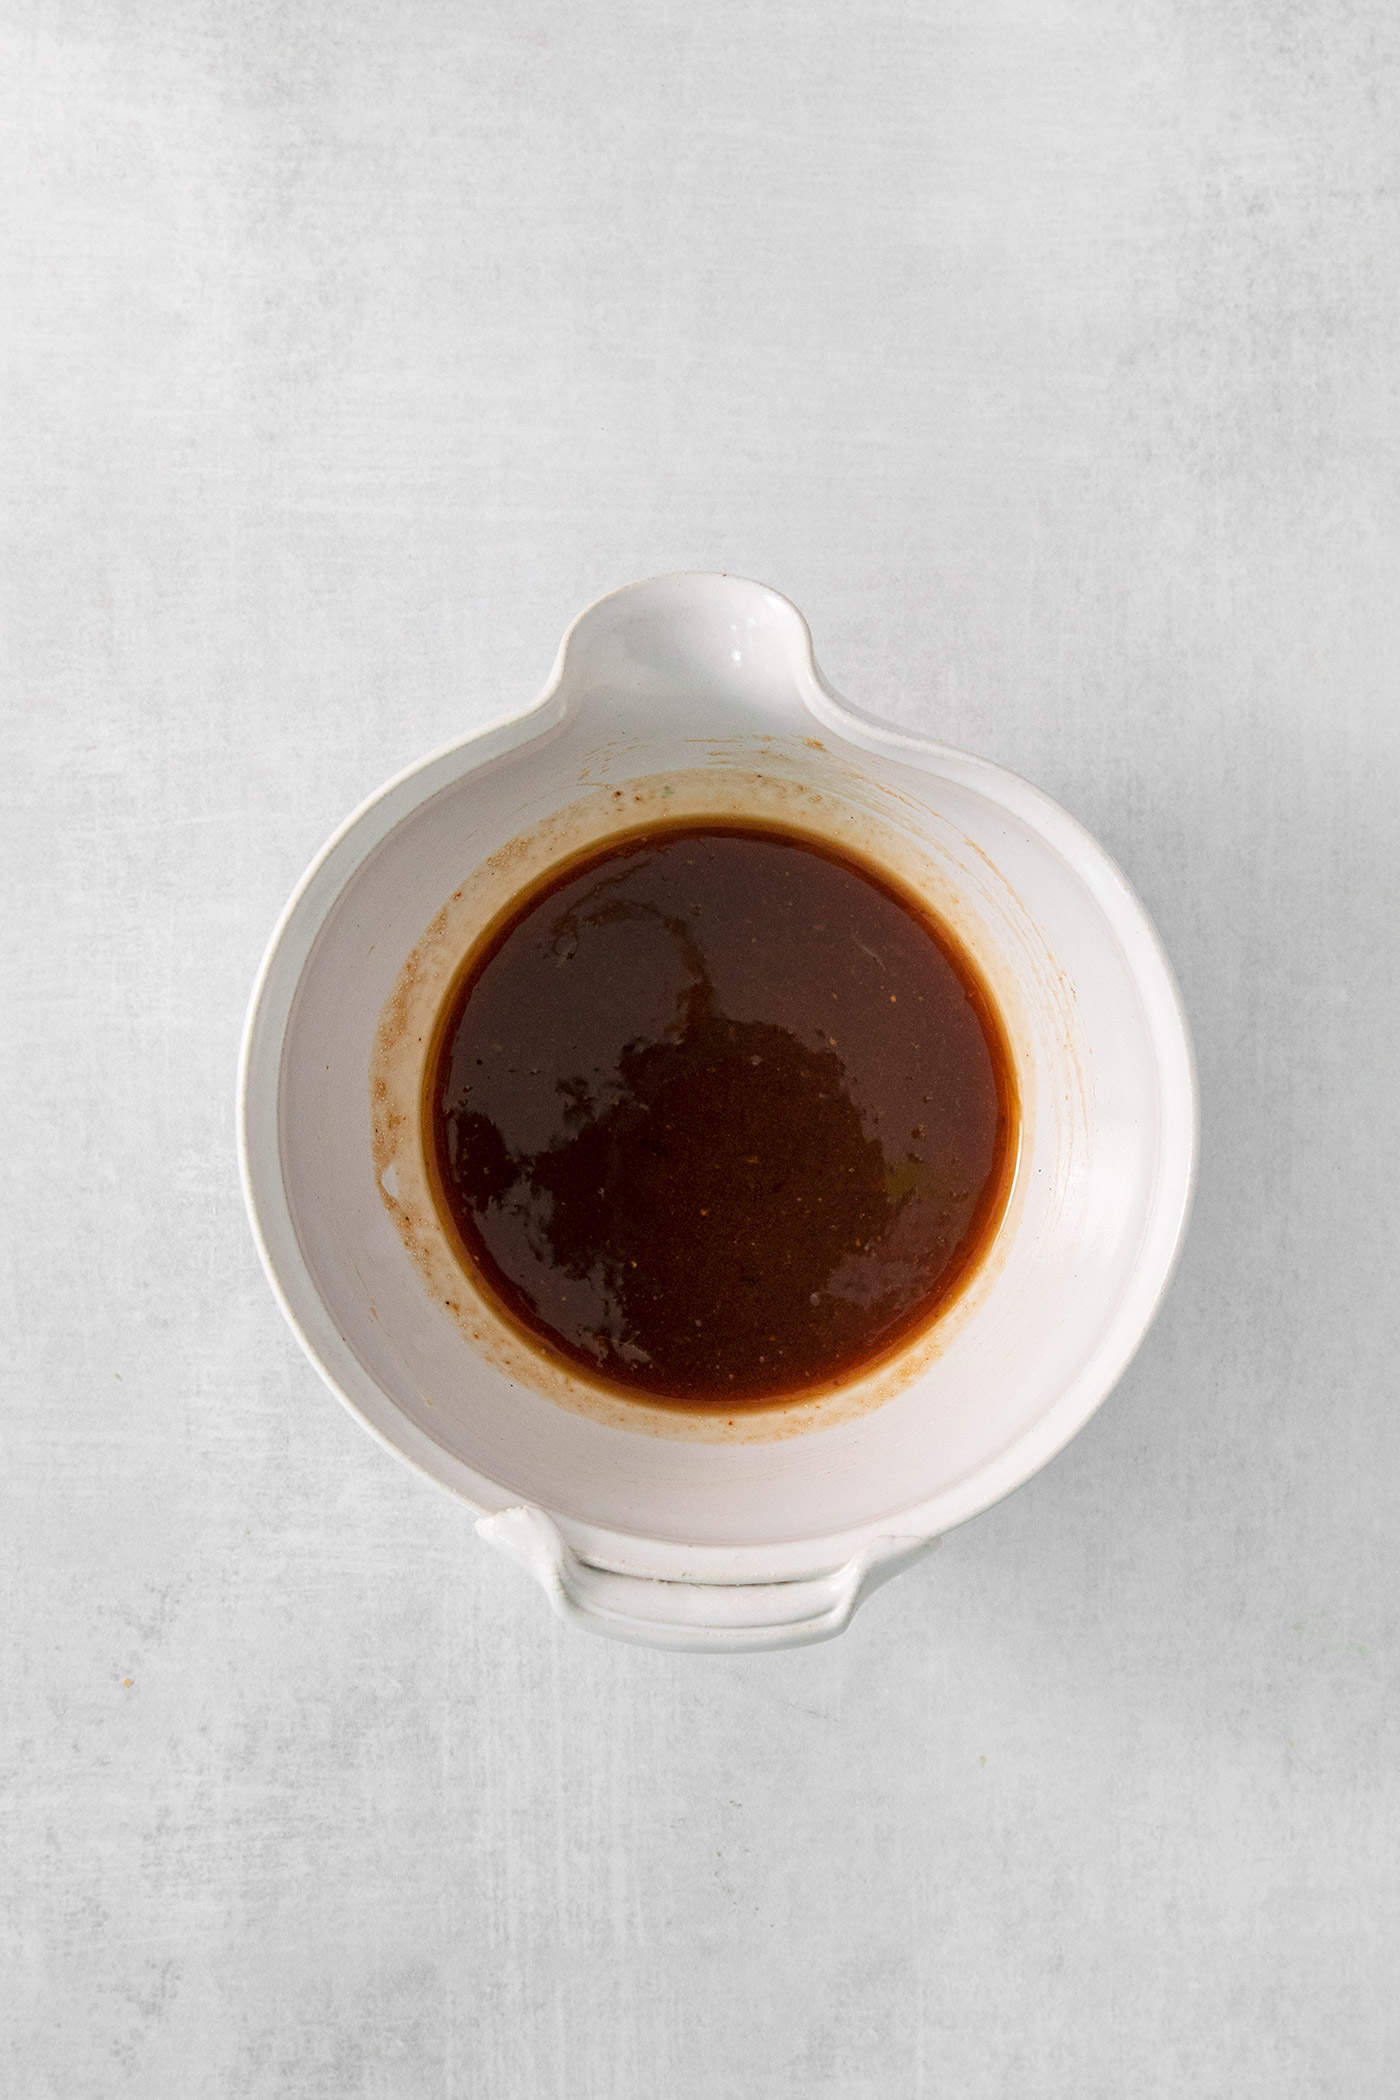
[{"x": 638, "y": 1522}]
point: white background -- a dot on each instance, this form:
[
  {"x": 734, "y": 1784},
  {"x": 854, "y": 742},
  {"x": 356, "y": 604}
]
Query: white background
[{"x": 1045, "y": 351}]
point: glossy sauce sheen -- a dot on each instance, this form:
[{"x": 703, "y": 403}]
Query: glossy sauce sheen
[{"x": 720, "y": 1115}]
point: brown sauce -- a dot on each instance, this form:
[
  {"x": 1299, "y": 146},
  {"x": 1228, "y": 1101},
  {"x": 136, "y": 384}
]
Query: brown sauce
[{"x": 719, "y": 1115}]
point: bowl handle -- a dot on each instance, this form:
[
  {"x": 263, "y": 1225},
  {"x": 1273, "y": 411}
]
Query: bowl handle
[{"x": 718, "y": 1616}]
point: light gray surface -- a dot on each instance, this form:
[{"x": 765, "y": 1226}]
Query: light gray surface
[{"x": 1046, "y": 355}]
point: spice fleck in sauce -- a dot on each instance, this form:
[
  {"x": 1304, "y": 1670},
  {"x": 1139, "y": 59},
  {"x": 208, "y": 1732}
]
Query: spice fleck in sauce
[{"x": 719, "y": 1115}]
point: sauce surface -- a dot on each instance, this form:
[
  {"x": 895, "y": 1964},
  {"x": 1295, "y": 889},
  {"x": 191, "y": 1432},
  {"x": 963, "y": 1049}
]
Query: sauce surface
[{"x": 719, "y": 1115}]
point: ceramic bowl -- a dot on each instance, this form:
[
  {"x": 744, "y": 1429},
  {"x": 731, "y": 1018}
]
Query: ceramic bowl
[{"x": 700, "y": 694}]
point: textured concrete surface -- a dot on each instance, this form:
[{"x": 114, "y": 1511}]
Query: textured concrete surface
[{"x": 1046, "y": 354}]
